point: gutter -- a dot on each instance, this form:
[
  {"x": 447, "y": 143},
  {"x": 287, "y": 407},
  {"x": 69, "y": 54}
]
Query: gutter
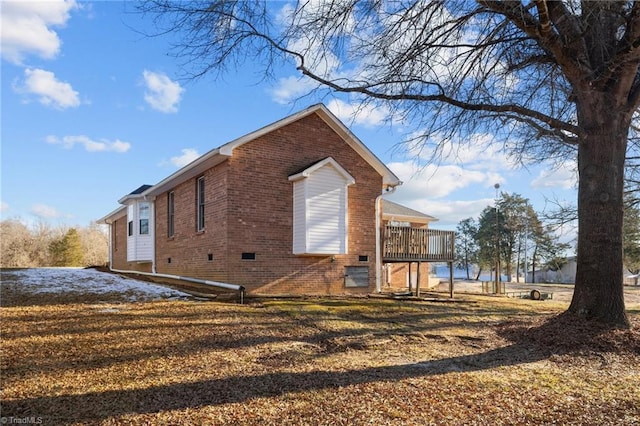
[{"x": 240, "y": 289}]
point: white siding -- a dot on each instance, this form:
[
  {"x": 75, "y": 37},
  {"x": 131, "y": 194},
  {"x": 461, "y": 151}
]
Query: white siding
[
  {"x": 299, "y": 214},
  {"x": 326, "y": 211},
  {"x": 139, "y": 247},
  {"x": 320, "y": 213},
  {"x": 144, "y": 248},
  {"x": 131, "y": 239}
]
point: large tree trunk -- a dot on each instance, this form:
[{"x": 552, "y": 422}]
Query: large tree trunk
[{"x": 601, "y": 154}]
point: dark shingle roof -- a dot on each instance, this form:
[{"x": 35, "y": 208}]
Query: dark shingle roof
[{"x": 140, "y": 190}]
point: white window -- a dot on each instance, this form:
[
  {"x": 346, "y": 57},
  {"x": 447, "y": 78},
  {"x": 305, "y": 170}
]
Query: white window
[
  {"x": 320, "y": 208},
  {"x": 143, "y": 216}
]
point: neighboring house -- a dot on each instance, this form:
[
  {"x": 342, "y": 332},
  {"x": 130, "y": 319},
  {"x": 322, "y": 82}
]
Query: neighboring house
[
  {"x": 630, "y": 279},
  {"x": 292, "y": 208},
  {"x": 566, "y": 274}
]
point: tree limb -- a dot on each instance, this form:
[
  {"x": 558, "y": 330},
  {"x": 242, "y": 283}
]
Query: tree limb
[{"x": 469, "y": 106}]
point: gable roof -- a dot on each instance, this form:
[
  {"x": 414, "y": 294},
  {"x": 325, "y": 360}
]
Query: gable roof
[
  {"x": 122, "y": 210},
  {"x": 395, "y": 211},
  {"x": 307, "y": 171},
  {"x": 136, "y": 193},
  {"x": 220, "y": 154}
]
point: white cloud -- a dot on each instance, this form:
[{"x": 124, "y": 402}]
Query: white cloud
[
  {"x": 290, "y": 88},
  {"x": 188, "y": 155},
  {"x": 367, "y": 115},
  {"x": 477, "y": 151},
  {"x": 318, "y": 59},
  {"x": 453, "y": 212},
  {"x": 565, "y": 177},
  {"x": 434, "y": 181},
  {"x": 4, "y": 206},
  {"x": 44, "y": 211},
  {"x": 448, "y": 212},
  {"x": 430, "y": 189},
  {"x": 26, "y": 28},
  {"x": 50, "y": 91},
  {"x": 90, "y": 145},
  {"x": 161, "y": 93}
]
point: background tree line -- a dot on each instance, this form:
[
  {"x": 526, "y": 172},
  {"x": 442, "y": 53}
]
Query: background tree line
[
  {"x": 515, "y": 234},
  {"x": 42, "y": 245}
]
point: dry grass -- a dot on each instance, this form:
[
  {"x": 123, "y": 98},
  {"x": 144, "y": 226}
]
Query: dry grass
[{"x": 315, "y": 361}]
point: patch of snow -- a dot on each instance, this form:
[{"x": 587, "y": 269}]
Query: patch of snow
[{"x": 64, "y": 280}]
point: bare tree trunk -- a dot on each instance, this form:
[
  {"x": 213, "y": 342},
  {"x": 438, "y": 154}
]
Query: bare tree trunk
[
  {"x": 518, "y": 252},
  {"x": 601, "y": 154}
]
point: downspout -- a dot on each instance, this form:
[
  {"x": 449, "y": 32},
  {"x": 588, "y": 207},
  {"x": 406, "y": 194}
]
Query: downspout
[
  {"x": 153, "y": 240},
  {"x": 388, "y": 190},
  {"x": 152, "y": 214},
  {"x": 240, "y": 289},
  {"x": 109, "y": 245}
]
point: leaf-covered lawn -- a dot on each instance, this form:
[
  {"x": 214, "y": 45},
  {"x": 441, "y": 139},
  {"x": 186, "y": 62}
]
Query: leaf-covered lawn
[{"x": 481, "y": 360}]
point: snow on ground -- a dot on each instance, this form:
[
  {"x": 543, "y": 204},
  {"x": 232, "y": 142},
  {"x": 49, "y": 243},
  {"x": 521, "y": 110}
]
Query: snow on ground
[{"x": 78, "y": 280}]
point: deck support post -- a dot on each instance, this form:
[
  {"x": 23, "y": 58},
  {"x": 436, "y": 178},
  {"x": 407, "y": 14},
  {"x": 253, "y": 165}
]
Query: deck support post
[
  {"x": 451, "y": 279},
  {"x": 418, "y": 281}
]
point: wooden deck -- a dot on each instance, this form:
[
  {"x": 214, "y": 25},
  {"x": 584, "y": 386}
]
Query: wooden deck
[{"x": 404, "y": 244}]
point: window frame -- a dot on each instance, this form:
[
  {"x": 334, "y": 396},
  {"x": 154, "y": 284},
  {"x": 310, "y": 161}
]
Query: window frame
[
  {"x": 144, "y": 215},
  {"x": 321, "y": 209},
  {"x": 171, "y": 213},
  {"x": 200, "y": 203}
]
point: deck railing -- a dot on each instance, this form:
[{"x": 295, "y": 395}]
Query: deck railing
[{"x": 417, "y": 244}]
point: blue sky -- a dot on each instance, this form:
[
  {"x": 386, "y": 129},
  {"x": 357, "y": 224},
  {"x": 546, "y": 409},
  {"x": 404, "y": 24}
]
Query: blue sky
[{"x": 92, "y": 109}]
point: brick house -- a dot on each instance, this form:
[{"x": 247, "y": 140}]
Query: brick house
[{"x": 291, "y": 208}]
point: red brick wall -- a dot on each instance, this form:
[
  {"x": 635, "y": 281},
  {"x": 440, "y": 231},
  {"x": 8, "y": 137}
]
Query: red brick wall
[
  {"x": 187, "y": 251},
  {"x": 261, "y": 212},
  {"x": 249, "y": 209},
  {"x": 399, "y": 272}
]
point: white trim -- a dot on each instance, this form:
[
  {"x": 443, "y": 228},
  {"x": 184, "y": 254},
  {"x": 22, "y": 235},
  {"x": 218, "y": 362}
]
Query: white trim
[
  {"x": 225, "y": 151},
  {"x": 321, "y": 209},
  {"x": 379, "y": 218},
  {"x": 190, "y": 171},
  {"x": 114, "y": 215},
  {"x": 407, "y": 218},
  {"x": 152, "y": 229},
  {"x": 350, "y": 180}
]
